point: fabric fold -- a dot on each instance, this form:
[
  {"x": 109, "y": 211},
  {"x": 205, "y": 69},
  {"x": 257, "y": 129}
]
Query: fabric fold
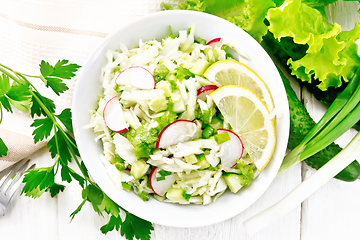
[
  {"x": 32, "y": 31},
  {"x": 16, "y": 133}
]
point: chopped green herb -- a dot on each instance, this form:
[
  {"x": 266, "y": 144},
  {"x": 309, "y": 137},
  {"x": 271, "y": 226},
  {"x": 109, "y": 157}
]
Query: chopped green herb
[
  {"x": 142, "y": 150},
  {"x": 164, "y": 173},
  {"x": 207, "y": 115},
  {"x": 201, "y": 40},
  {"x": 120, "y": 166},
  {"x": 144, "y": 196},
  {"x": 161, "y": 178},
  {"x": 186, "y": 196},
  {"x": 183, "y": 73},
  {"x": 171, "y": 35},
  {"x": 126, "y": 186},
  {"x": 208, "y": 131},
  {"x": 245, "y": 169},
  {"x": 227, "y": 53},
  {"x": 160, "y": 72}
]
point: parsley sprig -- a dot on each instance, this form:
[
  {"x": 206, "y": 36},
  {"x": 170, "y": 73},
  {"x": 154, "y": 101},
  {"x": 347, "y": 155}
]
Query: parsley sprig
[{"x": 16, "y": 91}]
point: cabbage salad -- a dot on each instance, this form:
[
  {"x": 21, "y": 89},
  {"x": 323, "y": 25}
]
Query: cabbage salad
[{"x": 162, "y": 135}]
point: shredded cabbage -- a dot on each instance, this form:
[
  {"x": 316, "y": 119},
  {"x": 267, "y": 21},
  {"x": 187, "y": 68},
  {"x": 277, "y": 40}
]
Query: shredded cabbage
[{"x": 194, "y": 162}]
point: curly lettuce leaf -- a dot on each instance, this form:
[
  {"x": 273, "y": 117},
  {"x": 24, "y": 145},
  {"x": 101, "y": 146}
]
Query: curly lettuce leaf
[
  {"x": 331, "y": 56},
  {"x": 247, "y": 14},
  {"x": 304, "y": 24},
  {"x": 318, "y": 4},
  {"x": 252, "y": 17}
]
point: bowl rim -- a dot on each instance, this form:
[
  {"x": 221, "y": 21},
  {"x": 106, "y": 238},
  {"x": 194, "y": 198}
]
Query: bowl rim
[{"x": 134, "y": 206}]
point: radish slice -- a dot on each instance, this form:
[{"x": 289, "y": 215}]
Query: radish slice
[
  {"x": 233, "y": 149},
  {"x": 175, "y": 132},
  {"x": 160, "y": 187},
  {"x": 114, "y": 116},
  {"x": 205, "y": 90},
  {"x": 214, "y": 42},
  {"x": 137, "y": 76}
]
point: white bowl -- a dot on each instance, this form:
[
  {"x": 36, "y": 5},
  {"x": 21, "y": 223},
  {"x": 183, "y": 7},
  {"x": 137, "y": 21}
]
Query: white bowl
[{"x": 157, "y": 26}]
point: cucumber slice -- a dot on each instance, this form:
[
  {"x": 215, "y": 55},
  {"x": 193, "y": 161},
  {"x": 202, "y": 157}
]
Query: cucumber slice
[
  {"x": 233, "y": 181},
  {"x": 200, "y": 66},
  {"x": 191, "y": 159},
  {"x": 166, "y": 86},
  {"x": 139, "y": 169},
  {"x": 176, "y": 195},
  {"x": 158, "y": 198}
]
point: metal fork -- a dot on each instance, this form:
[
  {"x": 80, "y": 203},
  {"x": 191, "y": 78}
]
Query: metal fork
[{"x": 10, "y": 180}]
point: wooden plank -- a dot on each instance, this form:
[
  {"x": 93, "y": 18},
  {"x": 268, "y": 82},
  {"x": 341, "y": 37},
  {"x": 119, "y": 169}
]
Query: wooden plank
[
  {"x": 284, "y": 229},
  {"x": 331, "y": 212},
  {"x": 48, "y": 216}
]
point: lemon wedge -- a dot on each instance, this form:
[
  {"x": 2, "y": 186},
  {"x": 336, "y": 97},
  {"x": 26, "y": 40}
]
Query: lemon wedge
[
  {"x": 232, "y": 72},
  {"x": 250, "y": 118}
]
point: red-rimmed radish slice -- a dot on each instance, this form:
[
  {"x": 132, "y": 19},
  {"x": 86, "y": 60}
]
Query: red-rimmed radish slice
[
  {"x": 205, "y": 90},
  {"x": 175, "y": 132},
  {"x": 214, "y": 42},
  {"x": 114, "y": 116},
  {"x": 232, "y": 149},
  {"x": 137, "y": 76},
  {"x": 160, "y": 187}
]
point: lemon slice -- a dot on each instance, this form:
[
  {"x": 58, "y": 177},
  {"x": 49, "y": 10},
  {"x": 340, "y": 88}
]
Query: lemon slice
[
  {"x": 232, "y": 72},
  {"x": 250, "y": 118}
]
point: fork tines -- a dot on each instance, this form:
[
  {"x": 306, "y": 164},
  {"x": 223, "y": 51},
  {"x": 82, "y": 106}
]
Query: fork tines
[
  {"x": 10, "y": 180},
  {"x": 12, "y": 174}
]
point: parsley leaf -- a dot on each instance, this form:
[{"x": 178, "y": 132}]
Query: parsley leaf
[
  {"x": 36, "y": 109},
  {"x": 93, "y": 195},
  {"x": 136, "y": 227},
  {"x": 61, "y": 145},
  {"x": 19, "y": 96},
  {"x": 4, "y": 84},
  {"x": 65, "y": 174},
  {"x": 54, "y": 75},
  {"x": 114, "y": 223},
  {"x": 77, "y": 177},
  {"x": 34, "y": 193},
  {"x": 84, "y": 170},
  {"x": 65, "y": 118},
  {"x": 37, "y": 181},
  {"x": 78, "y": 209},
  {"x": 109, "y": 206},
  {"x": 55, "y": 189},
  {"x": 3, "y": 148},
  {"x": 43, "y": 128},
  {"x": 4, "y": 88},
  {"x": 6, "y": 104}
]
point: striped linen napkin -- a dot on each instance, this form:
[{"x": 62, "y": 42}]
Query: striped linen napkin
[{"x": 52, "y": 30}]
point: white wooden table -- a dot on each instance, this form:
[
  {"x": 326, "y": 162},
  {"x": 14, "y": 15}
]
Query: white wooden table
[{"x": 331, "y": 213}]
